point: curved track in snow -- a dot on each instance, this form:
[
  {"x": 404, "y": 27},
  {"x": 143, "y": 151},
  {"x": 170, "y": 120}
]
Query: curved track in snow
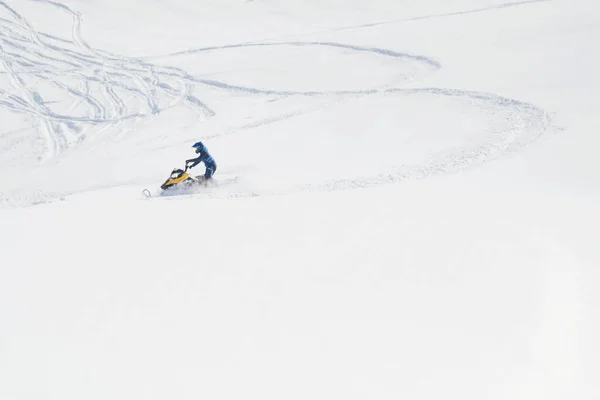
[
  {"x": 106, "y": 89},
  {"x": 513, "y": 124},
  {"x": 410, "y": 67}
]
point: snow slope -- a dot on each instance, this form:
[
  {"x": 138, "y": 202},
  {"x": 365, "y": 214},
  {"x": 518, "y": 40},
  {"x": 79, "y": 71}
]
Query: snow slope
[{"x": 408, "y": 199}]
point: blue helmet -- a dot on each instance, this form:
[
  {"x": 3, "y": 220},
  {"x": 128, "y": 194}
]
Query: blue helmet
[{"x": 199, "y": 146}]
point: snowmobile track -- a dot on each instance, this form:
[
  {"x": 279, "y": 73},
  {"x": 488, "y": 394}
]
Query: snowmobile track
[
  {"x": 105, "y": 83},
  {"x": 114, "y": 88}
]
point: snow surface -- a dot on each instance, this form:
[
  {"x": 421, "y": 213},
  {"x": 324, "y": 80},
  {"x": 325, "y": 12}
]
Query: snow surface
[{"x": 408, "y": 199}]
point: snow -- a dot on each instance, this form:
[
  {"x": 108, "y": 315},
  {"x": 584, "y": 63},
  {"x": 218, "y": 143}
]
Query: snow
[{"x": 408, "y": 200}]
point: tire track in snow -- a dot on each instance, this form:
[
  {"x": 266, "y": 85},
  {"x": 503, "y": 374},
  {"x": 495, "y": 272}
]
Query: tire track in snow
[
  {"x": 444, "y": 15},
  {"x": 528, "y": 124},
  {"x": 118, "y": 106},
  {"x": 267, "y": 41},
  {"x": 112, "y": 87},
  {"x": 157, "y": 85},
  {"x": 146, "y": 85},
  {"x": 404, "y": 20},
  {"x": 33, "y": 34},
  {"x": 99, "y": 110},
  {"x": 425, "y": 66},
  {"x": 32, "y": 104},
  {"x": 57, "y": 133}
]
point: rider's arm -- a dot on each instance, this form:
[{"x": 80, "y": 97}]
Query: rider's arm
[{"x": 195, "y": 161}]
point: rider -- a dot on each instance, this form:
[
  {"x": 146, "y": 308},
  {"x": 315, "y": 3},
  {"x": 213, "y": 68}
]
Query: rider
[{"x": 204, "y": 157}]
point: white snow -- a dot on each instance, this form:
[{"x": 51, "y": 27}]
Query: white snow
[{"x": 408, "y": 203}]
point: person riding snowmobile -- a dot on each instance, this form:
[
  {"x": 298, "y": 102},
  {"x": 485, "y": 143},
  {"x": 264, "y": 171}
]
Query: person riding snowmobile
[{"x": 205, "y": 157}]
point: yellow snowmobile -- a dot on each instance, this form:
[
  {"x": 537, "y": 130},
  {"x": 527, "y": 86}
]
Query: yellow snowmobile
[{"x": 179, "y": 178}]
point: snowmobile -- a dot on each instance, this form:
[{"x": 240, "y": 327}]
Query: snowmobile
[{"x": 179, "y": 179}]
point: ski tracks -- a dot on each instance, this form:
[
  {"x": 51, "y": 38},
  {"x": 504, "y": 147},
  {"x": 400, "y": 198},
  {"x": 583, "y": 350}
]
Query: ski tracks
[{"x": 104, "y": 89}]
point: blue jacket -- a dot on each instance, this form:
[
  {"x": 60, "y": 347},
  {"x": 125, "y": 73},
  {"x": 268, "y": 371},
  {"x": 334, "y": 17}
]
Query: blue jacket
[{"x": 204, "y": 157}]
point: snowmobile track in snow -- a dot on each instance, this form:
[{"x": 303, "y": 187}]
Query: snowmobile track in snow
[
  {"x": 107, "y": 89},
  {"x": 424, "y": 65},
  {"x": 525, "y": 123}
]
